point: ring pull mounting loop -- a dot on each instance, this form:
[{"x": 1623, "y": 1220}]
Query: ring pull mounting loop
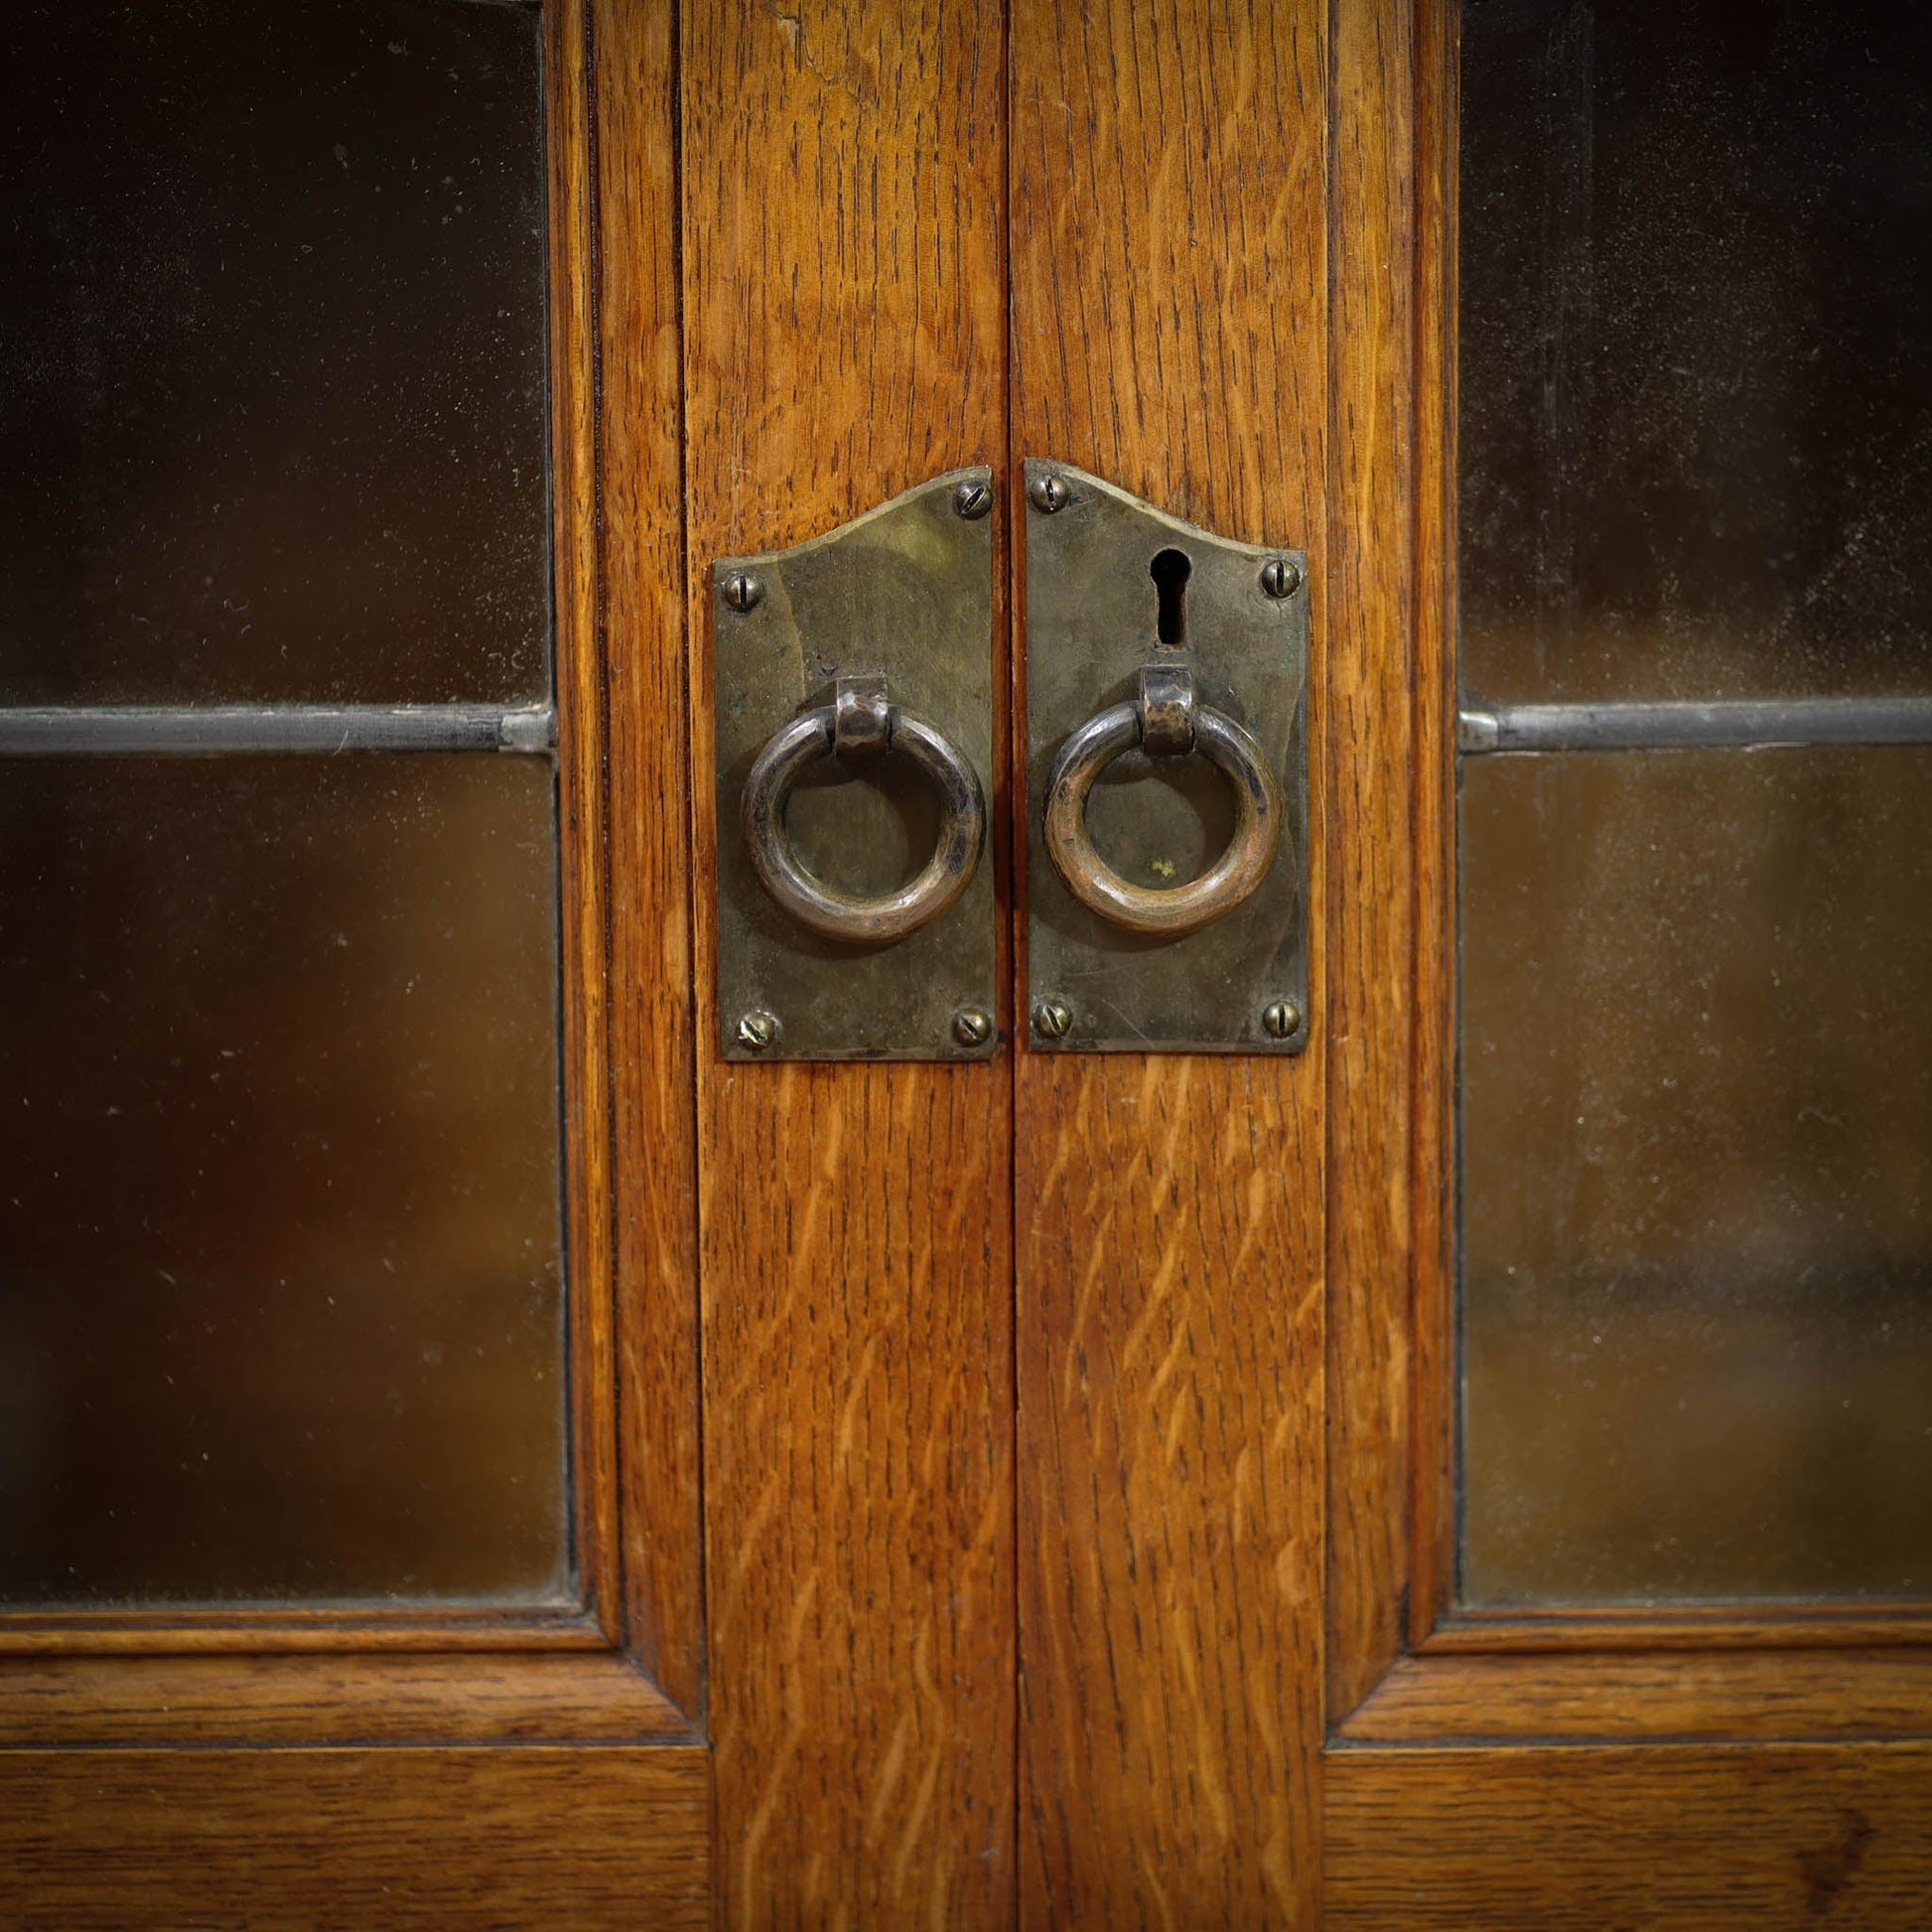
[
  {"x": 861, "y": 723},
  {"x": 1164, "y": 722}
]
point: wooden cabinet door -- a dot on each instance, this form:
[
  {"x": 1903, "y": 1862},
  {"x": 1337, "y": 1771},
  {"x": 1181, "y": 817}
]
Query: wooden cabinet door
[
  {"x": 360, "y": 1754},
  {"x": 1018, "y": 1491},
  {"x": 1255, "y": 1687}
]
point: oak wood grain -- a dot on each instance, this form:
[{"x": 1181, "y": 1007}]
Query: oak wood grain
[
  {"x": 647, "y": 668},
  {"x": 581, "y": 808},
  {"x": 1705, "y": 1695},
  {"x": 1372, "y": 694},
  {"x": 1761, "y": 1838},
  {"x": 1432, "y": 1417},
  {"x": 1170, "y": 323},
  {"x": 164, "y": 1630},
  {"x": 1681, "y": 1627},
  {"x": 347, "y": 1840},
  {"x": 330, "y": 1700},
  {"x": 844, "y": 339}
]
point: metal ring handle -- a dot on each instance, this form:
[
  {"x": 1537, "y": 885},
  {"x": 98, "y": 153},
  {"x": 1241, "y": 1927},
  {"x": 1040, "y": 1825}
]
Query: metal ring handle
[
  {"x": 1170, "y": 910},
  {"x": 861, "y": 921}
]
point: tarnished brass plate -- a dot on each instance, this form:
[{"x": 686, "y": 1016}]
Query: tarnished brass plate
[
  {"x": 905, "y": 590},
  {"x": 1239, "y": 985}
]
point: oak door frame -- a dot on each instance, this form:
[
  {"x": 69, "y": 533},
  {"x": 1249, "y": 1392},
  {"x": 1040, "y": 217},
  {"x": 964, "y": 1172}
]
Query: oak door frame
[
  {"x": 624, "y": 1660},
  {"x": 1404, "y": 1662}
]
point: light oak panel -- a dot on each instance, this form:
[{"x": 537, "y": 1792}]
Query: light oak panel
[
  {"x": 1716, "y": 1695},
  {"x": 647, "y": 668},
  {"x": 844, "y": 320},
  {"x": 343, "y": 1840},
  {"x": 332, "y": 1699},
  {"x": 1170, "y": 321},
  {"x": 1371, "y": 696},
  {"x": 1756, "y": 1838}
]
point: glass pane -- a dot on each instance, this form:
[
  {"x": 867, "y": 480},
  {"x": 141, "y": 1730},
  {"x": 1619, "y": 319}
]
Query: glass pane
[
  {"x": 1697, "y": 1176},
  {"x": 273, "y": 425},
  {"x": 1695, "y": 350},
  {"x": 280, "y": 1304}
]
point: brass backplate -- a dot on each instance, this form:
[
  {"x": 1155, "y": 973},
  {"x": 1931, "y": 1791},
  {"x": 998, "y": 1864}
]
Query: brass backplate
[
  {"x": 1093, "y": 621},
  {"x": 906, "y": 589}
]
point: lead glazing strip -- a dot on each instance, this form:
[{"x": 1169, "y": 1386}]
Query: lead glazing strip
[
  {"x": 1751, "y": 723},
  {"x": 217, "y": 729}
]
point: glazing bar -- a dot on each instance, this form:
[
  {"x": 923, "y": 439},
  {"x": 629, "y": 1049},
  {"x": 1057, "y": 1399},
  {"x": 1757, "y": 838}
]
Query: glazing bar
[
  {"x": 1686, "y": 725},
  {"x": 191, "y": 731}
]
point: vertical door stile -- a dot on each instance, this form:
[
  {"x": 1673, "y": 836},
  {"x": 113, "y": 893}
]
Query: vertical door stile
[
  {"x": 647, "y": 668},
  {"x": 844, "y": 279},
  {"x": 1371, "y": 683},
  {"x": 1169, "y": 323}
]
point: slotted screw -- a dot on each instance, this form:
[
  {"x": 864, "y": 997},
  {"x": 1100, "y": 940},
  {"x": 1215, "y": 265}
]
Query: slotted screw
[
  {"x": 1280, "y": 577},
  {"x": 972, "y": 499},
  {"x": 1279, "y": 1019},
  {"x": 1053, "y": 1018},
  {"x": 1048, "y": 493},
  {"x": 972, "y": 1025},
  {"x": 744, "y": 591},
  {"x": 757, "y": 1030}
]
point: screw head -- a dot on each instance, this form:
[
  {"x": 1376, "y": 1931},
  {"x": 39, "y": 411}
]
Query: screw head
[
  {"x": 757, "y": 1030},
  {"x": 1280, "y": 577},
  {"x": 743, "y": 590},
  {"x": 1048, "y": 493},
  {"x": 972, "y": 499},
  {"x": 1051, "y": 1019},
  {"x": 972, "y": 1025},
  {"x": 1279, "y": 1019}
]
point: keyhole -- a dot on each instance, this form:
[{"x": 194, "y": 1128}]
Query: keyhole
[{"x": 1171, "y": 570}]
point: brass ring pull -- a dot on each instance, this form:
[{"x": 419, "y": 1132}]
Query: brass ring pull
[
  {"x": 1165, "y": 722},
  {"x": 860, "y": 723}
]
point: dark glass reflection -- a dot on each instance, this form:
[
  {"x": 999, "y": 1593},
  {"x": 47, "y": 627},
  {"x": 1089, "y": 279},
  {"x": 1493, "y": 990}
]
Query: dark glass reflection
[
  {"x": 1697, "y": 1176},
  {"x": 1694, "y": 348},
  {"x": 272, "y": 423},
  {"x": 280, "y": 1304}
]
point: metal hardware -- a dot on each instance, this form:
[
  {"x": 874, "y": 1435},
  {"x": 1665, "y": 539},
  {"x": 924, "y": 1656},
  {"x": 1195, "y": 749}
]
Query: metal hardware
[
  {"x": 1684, "y": 726},
  {"x": 757, "y": 1031},
  {"x": 1046, "y": 493},
  {"x": 743, "y": 590},
  {"x": 1281, "y": 1019},
  {"x": 972, "y": 1027},
  {"x": 973, "y": 498},
  {"x": 1166, "y": 718},
  {"x": 854, "y": 710},
  {"x": 1168, "y": 893},
  {"x": 139, "y": 731},
  {"x": 1051, "y": 1019},
  {"x": 862, "y": 718},
  {"x": 1164, "y": 909},
  {"x": 1280, "y": 577},
  {"x": 859, "y": 708}
]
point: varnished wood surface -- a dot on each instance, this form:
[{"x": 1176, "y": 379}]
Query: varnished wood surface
[
  {"x": 580, "y": 804},
  {"x": 1169, "y": 325},
  {"x": 1716, "y": 1694},
  {"x": 1370, "y": 685},
  {"x": 650, "y": 989},
  {"x": 1681, "y": 1627},
  {"x": 844, "y": 329},
  {"x": 142, "y": 1840},
  {"x": 167, "y": 1631},
  {"x": 1430, "y": 1419},
  {"x": 330, "y": 1698},
  {"x": 1714, "y": 1839}
]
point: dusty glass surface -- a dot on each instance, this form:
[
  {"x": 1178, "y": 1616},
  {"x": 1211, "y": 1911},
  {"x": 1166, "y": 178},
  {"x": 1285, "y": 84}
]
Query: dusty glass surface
[
  {"x": 1695, "y": 350},
  {"x": 1697, "y": 1176},
  {"x": 281, "y": 1301},
  {"x": 272, "y": 426}
]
